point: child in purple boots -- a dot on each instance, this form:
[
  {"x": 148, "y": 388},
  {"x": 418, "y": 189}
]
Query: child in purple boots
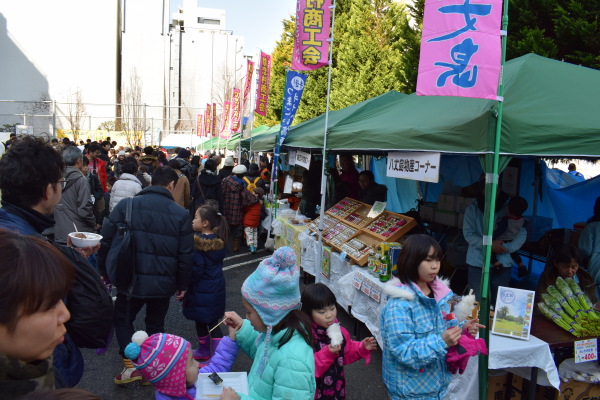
[
  {"x": 166, "y": 361},
  {"x": 204, "y": 301}
]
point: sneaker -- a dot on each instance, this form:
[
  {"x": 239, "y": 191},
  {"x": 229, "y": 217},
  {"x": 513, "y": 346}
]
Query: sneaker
[{"x": 128, "y": 375}]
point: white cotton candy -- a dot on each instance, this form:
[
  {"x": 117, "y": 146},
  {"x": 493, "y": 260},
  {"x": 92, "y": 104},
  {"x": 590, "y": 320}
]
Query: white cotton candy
[
  {"x": 465, "y": 307},
  {"x": 139, "y": 337},
  {"x": 335, "y": 334}
]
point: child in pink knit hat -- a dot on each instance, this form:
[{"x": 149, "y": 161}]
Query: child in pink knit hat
[{"x": 166, "y": 361}]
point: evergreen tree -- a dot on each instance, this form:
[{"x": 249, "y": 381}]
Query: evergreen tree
[{"x": 566, "y": 30}]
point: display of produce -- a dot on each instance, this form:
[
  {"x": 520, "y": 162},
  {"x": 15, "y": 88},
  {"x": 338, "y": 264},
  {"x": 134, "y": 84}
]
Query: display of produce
[
  {"x": 356, "y": 234},
  {"x": 344, "y": 208},
  {"x": 356, "y": 249},
  {"x": 338, "y": 234},
  {"x": 328, "y": 222},
  {"x": 386, "y": 225},
  {"x": 570, "y": 308}
]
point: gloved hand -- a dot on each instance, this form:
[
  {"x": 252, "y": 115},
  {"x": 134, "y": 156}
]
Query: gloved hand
[{"x": 469, "y": 347}]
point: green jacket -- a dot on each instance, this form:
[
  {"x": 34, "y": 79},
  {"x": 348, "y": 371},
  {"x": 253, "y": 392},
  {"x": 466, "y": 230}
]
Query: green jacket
[{"x": 290, "y": 370}]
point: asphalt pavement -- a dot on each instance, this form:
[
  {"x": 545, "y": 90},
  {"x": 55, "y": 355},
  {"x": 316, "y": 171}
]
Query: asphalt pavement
[{"x": 363, "y": 382}]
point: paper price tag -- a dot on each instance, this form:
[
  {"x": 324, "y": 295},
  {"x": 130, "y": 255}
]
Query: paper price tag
[
  {"x": 586, "y": 350},
  {"x": 366, "y": 287},
  {"x": 376, "y": 293},
  {"x": 357, "y": 281}
]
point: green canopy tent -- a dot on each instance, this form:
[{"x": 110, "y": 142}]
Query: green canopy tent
[
  {"x": 263, "y": 140},
  {"x": 551, "y": 108}
]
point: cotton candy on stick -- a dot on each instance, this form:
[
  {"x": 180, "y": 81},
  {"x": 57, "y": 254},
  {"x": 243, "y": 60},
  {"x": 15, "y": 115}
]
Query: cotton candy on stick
[
  {"x": 335, "y": 334},
  {"x": 465, "y": 307}
]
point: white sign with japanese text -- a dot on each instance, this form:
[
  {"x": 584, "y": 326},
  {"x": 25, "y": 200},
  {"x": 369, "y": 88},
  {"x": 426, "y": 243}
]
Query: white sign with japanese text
[
  {"x": 303, "y": 159},
  {"x": 418, "y": 166},
  {"x": 586, "y": 350},
  {"x": 292, "y": 158}
]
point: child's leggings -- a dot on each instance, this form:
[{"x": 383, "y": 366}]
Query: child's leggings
[{"x": 251, "y": 236}]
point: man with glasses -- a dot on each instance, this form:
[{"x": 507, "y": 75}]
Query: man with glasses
[
  {"x": 31, "y": 184},
  {"x": 76, "y": 206}
]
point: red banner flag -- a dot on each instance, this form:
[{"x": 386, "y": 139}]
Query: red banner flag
[
  {"x": 264, "y": 79},
  {"x": 235, "y": 116},
  {"x": 199, "y": 125},
  {"x": 249, "y": 73},
  {"x": 208, "y": 121},
  {"x": 225, "y": 132},
  {"x": 312, "y": 32},
  {"x": 215, "y": 133}
]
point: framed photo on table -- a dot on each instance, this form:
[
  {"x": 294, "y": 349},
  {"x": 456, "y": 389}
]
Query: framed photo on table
[{"x": 513, "y": 312}]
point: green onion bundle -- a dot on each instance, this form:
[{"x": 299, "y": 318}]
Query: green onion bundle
[{"x": 570, "y": 308}]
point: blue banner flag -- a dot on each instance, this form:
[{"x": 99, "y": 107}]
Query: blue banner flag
[{"x": 294, "y": 86}]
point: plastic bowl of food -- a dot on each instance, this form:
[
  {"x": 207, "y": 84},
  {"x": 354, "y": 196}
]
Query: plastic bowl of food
[{"x": 84, "y": 239}]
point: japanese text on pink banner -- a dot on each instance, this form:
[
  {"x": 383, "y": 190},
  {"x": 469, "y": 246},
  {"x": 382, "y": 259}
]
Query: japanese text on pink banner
[
  {"x": 225, "y": 132},
  {"x": 312, "y": 31},
  {"x": 460, "y": 48},
  {"x": 235, "y": 115},
  {"x": 264, "y": 78},
  {"x": 249, "y": 73},
  {"x": 199, "y": 125}
]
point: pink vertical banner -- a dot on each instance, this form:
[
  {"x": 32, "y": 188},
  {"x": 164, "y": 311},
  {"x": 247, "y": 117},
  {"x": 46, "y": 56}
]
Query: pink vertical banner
[
  {"x": 214, "y": 130},
  {"x": 312, "y": 31},
  {"x": 460, "y": 48},
  {"x": 236, "y": 108},
  {"x": 248, "y": 84},
  {"x": 262, "y": 89},
  {"x": 199, "y": 125},
  {"x": 225, "y": 132},
  {"x": 207, "y": 121}
]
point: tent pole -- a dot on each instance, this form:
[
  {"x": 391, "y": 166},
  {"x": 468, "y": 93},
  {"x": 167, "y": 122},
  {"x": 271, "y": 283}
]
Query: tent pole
[
  {"x": 324, "y": 163},
  {"x": 491, "y": 181}
]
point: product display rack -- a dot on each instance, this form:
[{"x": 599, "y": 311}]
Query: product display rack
[{"x": 356, "y": 234}]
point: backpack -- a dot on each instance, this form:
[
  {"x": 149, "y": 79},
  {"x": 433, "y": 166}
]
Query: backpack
[
  {"x": 89, "y": 303},
  {"x": 186, "y": 169},
  {"x": 251, "y": 185},
  {"x": 120, "y": 259}
]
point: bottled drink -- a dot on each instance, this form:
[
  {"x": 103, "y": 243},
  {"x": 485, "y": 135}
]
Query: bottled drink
[{"x": 386, "y": 268}]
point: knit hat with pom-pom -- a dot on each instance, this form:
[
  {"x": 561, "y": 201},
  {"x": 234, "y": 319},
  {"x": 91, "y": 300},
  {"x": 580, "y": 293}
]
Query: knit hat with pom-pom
[
  {"x": 161, "y": 359},
  {"x": 273, "y": 290}
]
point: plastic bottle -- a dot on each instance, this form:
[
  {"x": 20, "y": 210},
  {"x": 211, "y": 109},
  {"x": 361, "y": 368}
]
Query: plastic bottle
[
  {"x": 386, "y": 268},
  {"x": 371, "y": 261}
]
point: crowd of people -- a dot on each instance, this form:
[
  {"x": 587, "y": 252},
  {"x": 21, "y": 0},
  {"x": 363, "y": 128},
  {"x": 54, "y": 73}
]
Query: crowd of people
[{"x": 184, "y": 212}]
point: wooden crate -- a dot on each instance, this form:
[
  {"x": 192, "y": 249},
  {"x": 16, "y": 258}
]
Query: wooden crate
[
  {"x": 338, "y": 234},
  {"x": 369, "y": 240},
  {"x": 344, "y": 208},
  {"x": 384, "y": 220},
  {"x": 358, "y": 218},
  {"x": 328, "y": 221}
]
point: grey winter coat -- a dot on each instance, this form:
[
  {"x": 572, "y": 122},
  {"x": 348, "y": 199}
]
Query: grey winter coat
[
  {"x": 127, "y": 186},
  {"x": 75, "y": 207}
]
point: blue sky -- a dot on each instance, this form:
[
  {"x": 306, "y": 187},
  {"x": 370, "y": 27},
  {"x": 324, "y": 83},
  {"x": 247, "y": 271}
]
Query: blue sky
[{"x": 258, "y": 21}]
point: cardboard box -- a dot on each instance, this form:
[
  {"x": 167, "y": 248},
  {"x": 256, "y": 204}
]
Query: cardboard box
[
  {"x": 447, "y": 202},
  {"x": 572, "y": 390},
  {"x": 496, "y": 386},
  {"x": 445, "y": 217}
]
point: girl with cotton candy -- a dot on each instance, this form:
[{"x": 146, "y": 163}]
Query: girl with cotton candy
[{"x": 332, "y": 344}]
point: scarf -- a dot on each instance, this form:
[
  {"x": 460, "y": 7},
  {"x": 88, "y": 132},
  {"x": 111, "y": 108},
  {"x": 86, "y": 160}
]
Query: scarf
[
  {"x": 18, "y": 377},
  {"x": 332, "y": 384}
]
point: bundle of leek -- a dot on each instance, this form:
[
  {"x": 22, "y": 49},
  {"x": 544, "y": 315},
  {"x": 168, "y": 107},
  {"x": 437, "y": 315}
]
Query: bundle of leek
[{"x": 570, "y": 308}]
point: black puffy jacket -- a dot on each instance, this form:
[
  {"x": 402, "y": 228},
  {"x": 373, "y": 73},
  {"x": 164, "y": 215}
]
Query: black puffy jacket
[
  {"x": 164, "y": 242},
  {"x": 206, "y": 186}
]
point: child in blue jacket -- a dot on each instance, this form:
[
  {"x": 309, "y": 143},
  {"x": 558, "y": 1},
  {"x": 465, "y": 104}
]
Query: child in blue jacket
[{"x": 415, "y": 335}]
